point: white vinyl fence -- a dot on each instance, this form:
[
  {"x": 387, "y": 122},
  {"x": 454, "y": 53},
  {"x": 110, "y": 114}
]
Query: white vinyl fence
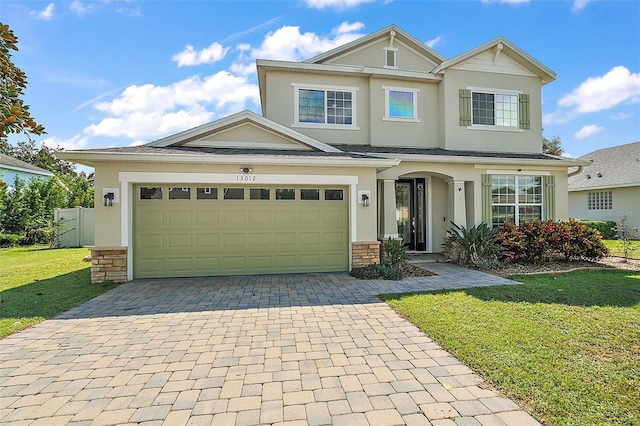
[{"x": 75, "y": 228}]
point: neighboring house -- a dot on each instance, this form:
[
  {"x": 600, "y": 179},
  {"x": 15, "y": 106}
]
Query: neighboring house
[
  {"x": 609, "y": 187},
  {"x": 10, "y": 168},
  {"x": 382, "y": 137}
]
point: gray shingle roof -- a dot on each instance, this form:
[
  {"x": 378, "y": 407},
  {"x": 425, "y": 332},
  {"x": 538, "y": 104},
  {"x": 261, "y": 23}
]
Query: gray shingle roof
[
  {"x": 610, "y": 167},
  {"x": 12, "y": 163}
]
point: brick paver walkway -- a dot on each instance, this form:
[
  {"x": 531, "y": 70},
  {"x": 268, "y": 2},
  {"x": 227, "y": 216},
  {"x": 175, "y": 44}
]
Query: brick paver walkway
[{"x": 317, "y": 349}]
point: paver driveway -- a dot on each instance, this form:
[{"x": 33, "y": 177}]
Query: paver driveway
[{"x": 286, "y": 350}]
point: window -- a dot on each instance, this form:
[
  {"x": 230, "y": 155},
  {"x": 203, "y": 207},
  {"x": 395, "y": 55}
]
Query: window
[
  {"x": 179, "y": 193},
  {"x": 333, "y": 194},
  {"x": 318, "y": 106},
  {"x": 151, "y": 193},
  {"x": 401, "y": 104},
  {"x": 515, "y": 199},
  {"x": 602, "y": 200},
  {"x": 390, "y": 57},
  {"x": 259, "y": 193},
  {"x": 207, "y": 193},
  {"x": 285, "y": 194},
  {"x": 233, "y": 193},
  {"x": 495, "y": 109},
  {"x": 309, "y": 194}
]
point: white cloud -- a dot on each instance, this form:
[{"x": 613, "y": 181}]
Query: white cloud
[
  {"x": 209, "y": 55},
  {"x": 578, "y": 5},
  {"x": 76, "y": 142},
  {"x": 587, "y": 131},
  {"x": 616, "y": 87},
  {"x": 348, "y": 27},
  {"x": 334, "y": 4},
  {"x": 621, "y": 116},
  {"x": 434, "y": 41},
  {"x": 78, "y": 8},
  {"x": 47, "y": 13},
  {"x": 148, "y": 111},
  {"x": 288, "y": 44}
]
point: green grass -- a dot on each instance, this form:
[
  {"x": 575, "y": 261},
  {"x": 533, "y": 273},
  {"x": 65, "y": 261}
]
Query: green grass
[
  {"x": 615, "y": 247},
  {"x": 567, "y": 347},
  {"x": 37, "y": 283}
]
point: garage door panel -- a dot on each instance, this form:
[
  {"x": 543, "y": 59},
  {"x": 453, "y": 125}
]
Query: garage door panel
[
  {"x": 209, "y": 217},
  {"x": 176, "y": 238},
  {"x": 180, "y": 218},
  {"x": 209, "y": 241},
  {"x": 234, "y": 217},
  {"x": 179, "y": 241}
]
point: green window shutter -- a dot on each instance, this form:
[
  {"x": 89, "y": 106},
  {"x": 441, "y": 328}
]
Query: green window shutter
[
  {"x": 486, "y": 199},
  {"x": 524, "y": 112},
  {"x": 549, "y": 197},
  {"x": 465, "y": 107}
]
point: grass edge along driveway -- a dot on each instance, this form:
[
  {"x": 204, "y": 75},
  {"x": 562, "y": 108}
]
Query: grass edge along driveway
[
  {"x": 37, "y": 283},
  {"x": 566, "y": 347}
]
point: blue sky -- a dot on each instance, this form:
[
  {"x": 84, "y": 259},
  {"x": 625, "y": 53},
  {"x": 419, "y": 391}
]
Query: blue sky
[{"x": 119, "y": 73}]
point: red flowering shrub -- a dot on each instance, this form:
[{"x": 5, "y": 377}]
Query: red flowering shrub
[{"x": 537, "y": 241}]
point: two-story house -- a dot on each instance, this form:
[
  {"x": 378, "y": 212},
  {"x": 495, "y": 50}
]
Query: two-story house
[{"x": 382, "y": 137}]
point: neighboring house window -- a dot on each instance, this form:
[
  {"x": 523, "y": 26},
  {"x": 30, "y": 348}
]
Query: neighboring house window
[
  {"x": 325, "y": 107},
  {"x": 390, "y": 57},
  {"x": 515, "y": 199},
  {"x": 494, "y": 109},
  {"x": 602, "y": 200},
  {"x": 401, "y": 104}
]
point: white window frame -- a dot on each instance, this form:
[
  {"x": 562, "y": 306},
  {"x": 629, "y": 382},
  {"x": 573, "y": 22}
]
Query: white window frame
[
  {"x": 494, "y": 127},
  {"x": 395, "y": 57},
  {"x": 296, "y": 106},
  {"x": 516, "y": 204},
  {"x": 415, "y": 92}
]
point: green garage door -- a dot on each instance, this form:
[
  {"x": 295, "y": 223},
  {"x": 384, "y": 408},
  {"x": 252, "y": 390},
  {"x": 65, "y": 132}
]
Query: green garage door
[{"x": 201, "y": 230}]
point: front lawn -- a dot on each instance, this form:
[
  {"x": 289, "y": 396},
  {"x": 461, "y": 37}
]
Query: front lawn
[
  {"x": 567, "y": 347},
  {"x": 615, "y": 247},
  {"x": 37, "y": 283}
]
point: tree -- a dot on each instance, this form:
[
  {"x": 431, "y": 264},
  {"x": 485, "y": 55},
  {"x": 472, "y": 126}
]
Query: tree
[
  {"x": 43, "y": 157},
  {"x": 552, "y": 147},
  {"x": 14, "y": 114}
]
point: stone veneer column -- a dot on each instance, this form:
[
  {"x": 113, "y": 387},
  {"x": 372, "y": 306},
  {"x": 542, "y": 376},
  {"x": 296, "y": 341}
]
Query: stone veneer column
[
  {"x": 365, "y": 253},
  {"x": 108, "y": 264}
]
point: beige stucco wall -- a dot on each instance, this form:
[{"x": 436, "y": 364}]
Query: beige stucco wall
[
  {"x": 109, "y": 219},
  {"x": 455, "y": 136},
  {"x": 626, "y": 203}
]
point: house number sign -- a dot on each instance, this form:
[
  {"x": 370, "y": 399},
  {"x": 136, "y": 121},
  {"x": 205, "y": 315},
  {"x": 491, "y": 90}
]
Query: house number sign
[{"x": 245, "y": 178}]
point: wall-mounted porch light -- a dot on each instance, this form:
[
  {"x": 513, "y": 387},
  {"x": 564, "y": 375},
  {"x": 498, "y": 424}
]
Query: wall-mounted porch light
[
  {"x": 365, "y": 200},
  {"x": 108, "y": 199}
]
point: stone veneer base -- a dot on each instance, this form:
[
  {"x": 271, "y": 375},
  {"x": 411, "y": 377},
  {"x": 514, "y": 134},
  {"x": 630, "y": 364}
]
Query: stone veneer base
[
  {"x": 365, "y": 253},
  {"x": 108, "y": 264}
]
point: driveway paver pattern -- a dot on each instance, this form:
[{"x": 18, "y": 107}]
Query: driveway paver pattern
[{"x": 287, "y": 350}]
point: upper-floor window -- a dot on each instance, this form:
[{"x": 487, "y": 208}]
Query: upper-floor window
[
  {"x": 494, "y": 109},
  {"x": 390, "y": 57},
  {"x": 401, "y": 104},
  {"x": 320, "y": 106}
]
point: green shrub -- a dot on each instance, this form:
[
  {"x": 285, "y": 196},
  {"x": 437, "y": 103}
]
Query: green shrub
[
  {"x": 9, "y": 240},
  {"x": 606, "y": 228},
  {"x": 376, "y": 271},
  {"x": 477, "y": 246},
  {"x": 394, "y": 252},
  {"x": 537, "y": 241}
]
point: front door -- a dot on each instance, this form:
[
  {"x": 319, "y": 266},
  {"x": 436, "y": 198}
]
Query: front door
[{"x": 410, "y": 212}]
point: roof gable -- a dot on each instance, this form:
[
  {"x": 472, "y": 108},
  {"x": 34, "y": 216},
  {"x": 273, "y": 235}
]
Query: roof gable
[
  {"x": 368, "y": 51},
  {"x": 498, "y": 56},
  {"x": 245, "y": 130}
]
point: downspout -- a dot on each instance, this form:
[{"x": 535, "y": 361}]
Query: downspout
[{"x": 575, "y": 172}]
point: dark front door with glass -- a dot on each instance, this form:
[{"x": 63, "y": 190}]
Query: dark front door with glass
[{"x": 410, "y": 212}]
